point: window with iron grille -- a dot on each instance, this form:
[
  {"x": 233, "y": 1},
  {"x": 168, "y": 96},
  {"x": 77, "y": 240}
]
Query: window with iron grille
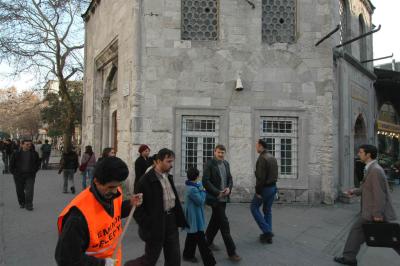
[
  {"x": 199, "y": 20},
  {"x": 280, "y": 134},
  {"x": 278, "y": 21},
  {"x": 199, "y": 137}
]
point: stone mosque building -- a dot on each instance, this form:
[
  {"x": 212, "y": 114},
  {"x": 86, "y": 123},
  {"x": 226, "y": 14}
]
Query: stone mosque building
[{"x": 190, "y": 74}]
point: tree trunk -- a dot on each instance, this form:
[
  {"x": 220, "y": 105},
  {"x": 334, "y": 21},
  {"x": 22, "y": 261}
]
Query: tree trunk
[{"x": 69, "y": 123}]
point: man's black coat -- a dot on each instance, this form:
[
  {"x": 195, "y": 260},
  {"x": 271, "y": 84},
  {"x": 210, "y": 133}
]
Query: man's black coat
[
  {"x": 150, "y": 215},
  {"x": 15, "y": 163}
]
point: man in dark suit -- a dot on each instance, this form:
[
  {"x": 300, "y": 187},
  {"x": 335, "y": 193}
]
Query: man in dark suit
[
  {"x": 376, "y": 203},
  {"x": 217, "y": 181},
  {"x": 160, "y": 215}
]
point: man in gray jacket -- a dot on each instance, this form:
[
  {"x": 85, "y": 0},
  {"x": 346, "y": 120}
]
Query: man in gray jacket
[
  {"x": 376, "y": 203},
  {"x": 266, "y": 176}
]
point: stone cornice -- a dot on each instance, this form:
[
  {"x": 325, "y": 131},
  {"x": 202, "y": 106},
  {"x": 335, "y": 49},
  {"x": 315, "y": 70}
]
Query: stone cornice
[
  {"x": 91, "y": 9},
  {"x": 370, "y": 7},
  {"x": 108, "y": 54},
  {"x": 354, "y": 62}
]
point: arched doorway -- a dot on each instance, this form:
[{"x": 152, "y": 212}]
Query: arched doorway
[{"x": 360, "y": 137}]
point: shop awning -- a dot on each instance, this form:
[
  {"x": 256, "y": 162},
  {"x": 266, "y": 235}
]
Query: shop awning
[{"x": 388, "y": 129}]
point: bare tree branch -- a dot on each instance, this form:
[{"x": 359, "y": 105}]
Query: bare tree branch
[{"x": 44, "y": 37}]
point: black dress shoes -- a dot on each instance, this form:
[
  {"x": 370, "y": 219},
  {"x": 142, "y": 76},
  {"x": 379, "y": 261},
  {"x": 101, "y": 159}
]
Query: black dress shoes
[
  {"x": 344, "y": 261},
  {"x": 192, "y": 260},
  {"x": 266, "y": 238}
]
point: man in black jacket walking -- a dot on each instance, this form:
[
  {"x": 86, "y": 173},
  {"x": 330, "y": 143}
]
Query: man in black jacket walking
[
  {"x": 69, "y": 163},
  {"x": 217, "y": 181},
  {"x": 160, "y": 215},
  {"x": 24, "y": 165},
  {"x": 266, "y": 176}
]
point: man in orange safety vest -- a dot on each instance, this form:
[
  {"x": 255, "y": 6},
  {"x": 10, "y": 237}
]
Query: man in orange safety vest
[{"x": 90, "y": 225}]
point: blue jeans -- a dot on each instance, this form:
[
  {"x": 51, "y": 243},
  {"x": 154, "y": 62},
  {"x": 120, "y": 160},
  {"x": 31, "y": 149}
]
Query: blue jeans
[
  {"x": 268, "y": 196},
  {"x": 87, "y": 174}
]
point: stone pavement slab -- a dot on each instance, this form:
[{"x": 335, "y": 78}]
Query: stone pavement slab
[{"x": 304, "y": 235}]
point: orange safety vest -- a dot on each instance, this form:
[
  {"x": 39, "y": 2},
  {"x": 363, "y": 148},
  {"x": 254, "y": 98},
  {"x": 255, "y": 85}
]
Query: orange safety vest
[{"x": 104, "y": 230}]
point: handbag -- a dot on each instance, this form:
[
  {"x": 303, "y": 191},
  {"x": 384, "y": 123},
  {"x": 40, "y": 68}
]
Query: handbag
[
  {"x": 83, "y": 166},
  {"x": 382, "y": 234}
]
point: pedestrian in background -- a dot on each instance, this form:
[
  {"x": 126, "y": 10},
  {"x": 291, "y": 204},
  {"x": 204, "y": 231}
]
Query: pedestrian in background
[
  {"x": 376, "y": 204},
  {"x": 24, "y": 165},
  {"x": 217, "y": 180},
  {"x": 266, "y": 176},
  {"x": 69, "y": 163},
  {"x": 195, "y": 197},
  {"x": 160, "y": 215},
  {"x": 3, "y": 154},
  {"x": 46, "y": 151},
  {"x": 90, "y": 225},
  {"x": 88, "y": 162},
  {"x": 142, "y": 163},
  {"x": 107, "y": 152},
  {"x": 8, "y": 150},
  {"x": 38, "y": 148}
]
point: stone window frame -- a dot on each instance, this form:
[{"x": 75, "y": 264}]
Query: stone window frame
[
  {"x": 301, "y": 181},
  {"x": 180, "y": 112},
  {"x": 218, "y": 13},
  {"x": 345, "y": 18},
  {"x": 199, "y": 138},
  {"x": 295, "y": 35},
  {"x": 276, "y": 138}
]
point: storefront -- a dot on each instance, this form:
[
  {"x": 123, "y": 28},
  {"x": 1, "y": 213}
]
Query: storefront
[{"x": 387, "y": 89}]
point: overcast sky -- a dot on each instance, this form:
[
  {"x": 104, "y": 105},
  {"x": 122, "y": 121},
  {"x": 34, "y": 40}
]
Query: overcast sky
[{"x": 386, "y": 41}]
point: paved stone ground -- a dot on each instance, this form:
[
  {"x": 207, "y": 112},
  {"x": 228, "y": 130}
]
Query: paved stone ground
[{"x": 304, "y": 235}]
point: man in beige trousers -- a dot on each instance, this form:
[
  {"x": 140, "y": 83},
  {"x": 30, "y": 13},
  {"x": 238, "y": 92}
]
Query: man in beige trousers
[{"x": 376, "y": 203}]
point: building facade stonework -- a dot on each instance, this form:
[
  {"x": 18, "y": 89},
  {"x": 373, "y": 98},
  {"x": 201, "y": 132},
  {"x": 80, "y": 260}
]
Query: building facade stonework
[{"x": 164, "y": 73}]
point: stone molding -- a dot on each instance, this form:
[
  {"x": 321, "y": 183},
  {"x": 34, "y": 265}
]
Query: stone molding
[
  {"x": 109, "y": 53},
  {"x": 354, "y": 62}
]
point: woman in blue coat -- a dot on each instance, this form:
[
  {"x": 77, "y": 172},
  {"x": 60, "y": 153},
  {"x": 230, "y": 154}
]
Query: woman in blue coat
[{"x": 195, "y": 197}]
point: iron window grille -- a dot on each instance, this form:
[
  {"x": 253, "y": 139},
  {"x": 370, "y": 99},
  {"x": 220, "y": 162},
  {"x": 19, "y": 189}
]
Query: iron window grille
[
  {"x": 199, "y": 137},
  {"x": 280, "y": 134}
]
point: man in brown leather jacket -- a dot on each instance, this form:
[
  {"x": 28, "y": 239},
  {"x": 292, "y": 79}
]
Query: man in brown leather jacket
[{"x": 266, "y": 176}]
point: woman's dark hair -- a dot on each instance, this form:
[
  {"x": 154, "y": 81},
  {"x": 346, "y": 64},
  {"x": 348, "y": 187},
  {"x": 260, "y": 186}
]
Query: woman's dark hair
[
  {"x": 106, "y": 151},
  {"x": 371, "y": 149},
  {"x": 89, "y": 150},
  {"x": 163, "y": 153},
  {"x": 192, "y": 174}
]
